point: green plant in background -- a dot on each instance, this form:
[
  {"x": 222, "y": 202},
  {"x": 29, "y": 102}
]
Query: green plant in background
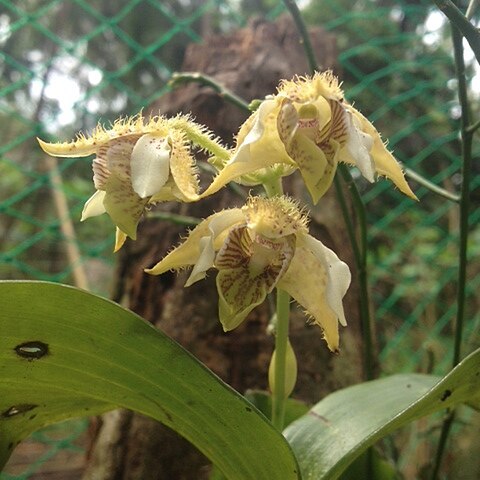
[{"x": 48, "y": 356}]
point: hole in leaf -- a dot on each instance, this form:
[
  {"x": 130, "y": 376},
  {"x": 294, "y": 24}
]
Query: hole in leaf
[
  {"x": 32, "y": 350},
  {"x": 445, "y": 395},
  {"x": 18, "y": 409}
]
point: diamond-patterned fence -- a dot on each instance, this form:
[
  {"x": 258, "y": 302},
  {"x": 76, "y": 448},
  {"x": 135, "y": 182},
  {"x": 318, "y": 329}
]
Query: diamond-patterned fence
[{"x": 65, "y": 64}]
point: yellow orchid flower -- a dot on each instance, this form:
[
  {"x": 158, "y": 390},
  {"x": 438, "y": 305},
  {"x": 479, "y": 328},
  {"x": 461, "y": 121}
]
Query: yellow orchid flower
[
  {"x": 263, "y": 245},
  {"x": 139, "y": 162},
  {"x": 308, "y": 125}
]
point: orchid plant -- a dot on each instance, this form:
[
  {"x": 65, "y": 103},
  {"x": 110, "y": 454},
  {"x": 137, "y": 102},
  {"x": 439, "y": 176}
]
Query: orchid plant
[
  {"x": 265, "y": 245},
  {"x": 61, "y": 340}
]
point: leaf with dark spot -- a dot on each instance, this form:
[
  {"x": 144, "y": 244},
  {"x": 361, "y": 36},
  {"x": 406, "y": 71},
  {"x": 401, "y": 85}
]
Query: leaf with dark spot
[
  {"x": 445, "y": 395},
  {"x": 18, "y": 409},
  {"x": 89, "y": 355},
  {"x": 32, "y": 350}
]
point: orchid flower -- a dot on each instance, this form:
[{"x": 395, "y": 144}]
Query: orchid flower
[
  {"x": 258, "y": 247},
  {"x": 308, "y": 126},
  {"x": 138, "y": 163}
]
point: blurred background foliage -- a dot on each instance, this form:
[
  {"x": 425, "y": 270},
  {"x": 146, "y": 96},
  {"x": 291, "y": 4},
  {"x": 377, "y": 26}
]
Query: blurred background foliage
[{"x": 67, "y": 64}]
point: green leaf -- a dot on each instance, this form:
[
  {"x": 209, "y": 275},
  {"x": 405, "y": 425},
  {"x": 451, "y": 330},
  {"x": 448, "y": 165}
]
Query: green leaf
[
  {"x": 65, "y": 352},
  {"x": 344, "y": 424}
]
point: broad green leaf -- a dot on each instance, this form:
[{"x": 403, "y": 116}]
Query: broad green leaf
[
  {"x": 344, "y": 424},
  {"x": 65, "y": 352}
]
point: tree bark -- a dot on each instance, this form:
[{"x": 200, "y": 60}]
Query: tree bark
[{"x": 127, "y": 446}]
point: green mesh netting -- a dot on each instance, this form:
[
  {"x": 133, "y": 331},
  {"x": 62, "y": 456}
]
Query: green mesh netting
[{"x": 66, "y": 64}]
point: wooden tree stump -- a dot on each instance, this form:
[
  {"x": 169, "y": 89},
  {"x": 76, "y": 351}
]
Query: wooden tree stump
[{"x": 127, "y": 446}]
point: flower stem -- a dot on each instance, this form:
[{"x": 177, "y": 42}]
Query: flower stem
[
  {"x": 302, "y": 29},
  {"x": 474, "y": 127},
  {"x": 447, "y": 425},
  {"x": 184, "y": 77},
  {"x": 281, "y": 340},
  {"x": 275, "y": 188},
  {"x": 467, "y": 138},
  {"x": 412, "y": 174},
  {"x": 360, "y": 253}
]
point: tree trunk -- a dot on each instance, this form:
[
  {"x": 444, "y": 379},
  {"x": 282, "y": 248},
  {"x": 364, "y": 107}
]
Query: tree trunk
[{"x": 250, "y": 62}]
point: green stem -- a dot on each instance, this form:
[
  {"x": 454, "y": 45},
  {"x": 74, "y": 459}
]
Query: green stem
[
  {"x": 348, "y": 221},
  {"x": 275, "y": 188},
  {"x": 302, "y": 29},
  {"x": 360, "y": 253},
  {"x": 431, "y": 186},
  {"x": 467, "y": 139},
  {"x": 460, "y": 21},
  {"x": 472, "y": 6},
  {"x": 361, "y": 212},
  {"x": 281, "y": 341},
  {"x": 446, "y": 427},
  {"x": 179, "y": 78},
  {"x": 474, "y": 127}
]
